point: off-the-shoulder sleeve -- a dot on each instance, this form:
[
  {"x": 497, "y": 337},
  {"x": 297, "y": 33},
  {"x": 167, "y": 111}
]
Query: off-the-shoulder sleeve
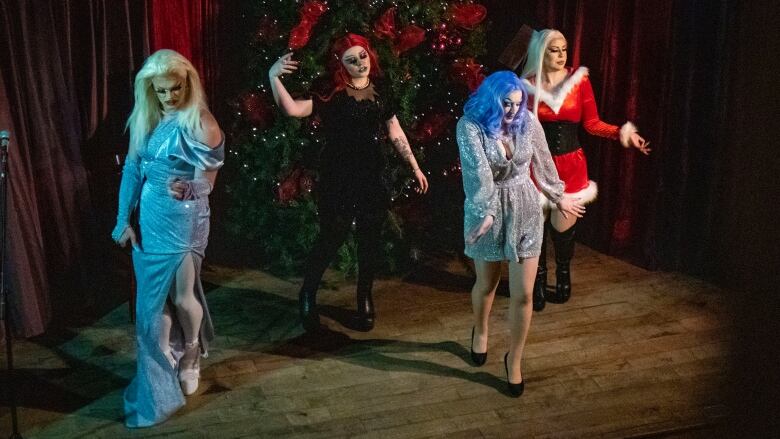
[
  {"x": 196, "y": 153},
  {"x": 545, "y": 174},
  {"x": 590, "y": 114},
  {"x": 481, "y": 196}
]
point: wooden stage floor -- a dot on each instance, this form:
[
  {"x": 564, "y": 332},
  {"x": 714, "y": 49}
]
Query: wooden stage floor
[{"x": 633, "y": 354}]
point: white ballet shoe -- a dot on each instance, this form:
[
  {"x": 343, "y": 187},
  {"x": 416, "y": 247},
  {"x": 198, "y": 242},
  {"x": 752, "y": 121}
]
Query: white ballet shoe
[{"x": 189, "y": 373}]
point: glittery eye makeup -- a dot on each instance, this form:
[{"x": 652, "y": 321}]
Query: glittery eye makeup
[{"x": 174, "y": 89}]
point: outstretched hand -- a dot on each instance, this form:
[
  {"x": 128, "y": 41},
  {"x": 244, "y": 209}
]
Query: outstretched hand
[
  {"x": 639, "y": 143},
  {"x": 283, "y": 66}
]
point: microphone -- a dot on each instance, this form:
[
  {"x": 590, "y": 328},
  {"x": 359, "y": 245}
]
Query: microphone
[{"x": 5, "y": 138}]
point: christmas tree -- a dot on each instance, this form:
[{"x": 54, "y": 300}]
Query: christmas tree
[{"x": 427, "y": 51}]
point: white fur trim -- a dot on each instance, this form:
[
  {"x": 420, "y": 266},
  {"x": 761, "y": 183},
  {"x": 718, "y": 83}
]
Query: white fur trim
[
  {"x": 555, "y": 99},
  {"x": 626, "y": 131},
  {"x": 586, "y": 196}
]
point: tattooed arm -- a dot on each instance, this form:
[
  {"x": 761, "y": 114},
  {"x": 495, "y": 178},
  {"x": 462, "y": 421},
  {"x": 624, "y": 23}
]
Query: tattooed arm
[
  {"x": 400, "y": 142},
  {"x": 401, "y": 145}
]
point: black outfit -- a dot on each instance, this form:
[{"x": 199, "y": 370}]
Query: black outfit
[{"x": 352, "y": 188}]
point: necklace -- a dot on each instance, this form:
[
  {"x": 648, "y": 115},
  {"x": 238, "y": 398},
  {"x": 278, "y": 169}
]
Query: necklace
[{"x": 353, "y": 87}]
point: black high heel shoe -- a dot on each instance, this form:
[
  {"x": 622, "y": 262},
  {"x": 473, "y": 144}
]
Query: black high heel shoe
[
  {"x": 514, "y": 389},
  {"x": 366, "y": 315},
  {"x": 478, "y": 359}
]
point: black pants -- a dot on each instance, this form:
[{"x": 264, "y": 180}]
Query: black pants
[{"x": 334, "y": 227}]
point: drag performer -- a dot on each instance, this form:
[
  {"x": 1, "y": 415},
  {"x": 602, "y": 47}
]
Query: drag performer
[
  {"x": 565, "y": 101},
  {"x": 176, "y": 147},
  {"x": 499, "y": 140},
  {"x": 356, "y": 110}
]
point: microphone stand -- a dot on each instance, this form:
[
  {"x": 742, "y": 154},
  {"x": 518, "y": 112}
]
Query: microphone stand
[{"x": 4, "y": 313}]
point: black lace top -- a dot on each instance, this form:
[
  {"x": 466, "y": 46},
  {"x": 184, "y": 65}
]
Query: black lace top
[{"x": 353, "y": 162}]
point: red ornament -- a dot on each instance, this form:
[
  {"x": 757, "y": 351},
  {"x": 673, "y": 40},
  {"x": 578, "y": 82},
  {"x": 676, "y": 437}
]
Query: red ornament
[
  {"x": 255, "y": 109},
  {"x": 310, "y": 13},
  {"x": 468, "y": 16},
  {"x": 468, "y": 72},
  {"x": 446, "y": 39},
  {"x": 288, "y": 189},
  {"x": 298, "y": 181}
]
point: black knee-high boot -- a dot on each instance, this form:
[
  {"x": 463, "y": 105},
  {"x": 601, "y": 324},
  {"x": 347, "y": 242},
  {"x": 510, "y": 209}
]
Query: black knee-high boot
[
  {"x": 564, "y": 251},
  {"x": 369, "y": 228},
  {"x": 333, "y": 232},
  {"x": 540, "y": 284}
]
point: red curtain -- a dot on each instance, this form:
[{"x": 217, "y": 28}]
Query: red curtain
[
  {"x": 66, "y": 72},
  {"x": 190, "y": 28},
  {"x": 65, "y": 98},
  {"x": 625, "y": 44},
  {"x": 659, "y": 65}
]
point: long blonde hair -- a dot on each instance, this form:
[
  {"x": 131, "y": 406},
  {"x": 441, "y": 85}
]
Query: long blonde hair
[
  {"x": 147, "y": 111},
  {"x": 535, "y": 59}
]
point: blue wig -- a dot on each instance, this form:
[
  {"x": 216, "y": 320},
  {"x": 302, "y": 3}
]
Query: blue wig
[{"x": 486, "y": 105}]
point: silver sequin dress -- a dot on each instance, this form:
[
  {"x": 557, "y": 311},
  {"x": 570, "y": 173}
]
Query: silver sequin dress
[
  {"x": 170, "y": 230},
  {"x": 502, "y": 187}
]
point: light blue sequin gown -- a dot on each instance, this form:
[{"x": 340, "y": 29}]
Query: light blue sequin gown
[
  {"x": 495, "y": 185},
  {"x": 170, "y": 229}
]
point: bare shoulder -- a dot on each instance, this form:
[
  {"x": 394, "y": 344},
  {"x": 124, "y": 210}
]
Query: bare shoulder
[{"x": 209, "y": 132}]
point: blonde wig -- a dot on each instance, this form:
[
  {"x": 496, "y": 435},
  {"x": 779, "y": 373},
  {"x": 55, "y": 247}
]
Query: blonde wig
[
  {"x": 147, "y": 110},
  {"x": 535, "y": 59}
]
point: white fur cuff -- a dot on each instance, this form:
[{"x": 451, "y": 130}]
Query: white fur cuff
[{"x": 626, "y": 131}]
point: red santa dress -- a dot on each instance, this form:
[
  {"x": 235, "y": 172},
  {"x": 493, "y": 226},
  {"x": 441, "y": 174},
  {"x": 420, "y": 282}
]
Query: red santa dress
[{"x": 562, "y": 111}]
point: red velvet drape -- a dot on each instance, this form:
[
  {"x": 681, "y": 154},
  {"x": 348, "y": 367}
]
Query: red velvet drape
[
  {"x": 668, "y": 66},
  {"x": 190, "y": 28},
  {"x": 623, "y": 43},
  {"x": 65, "y": 97},
  {"x": 626, "y": 46},
  {"x": 65, "y": 73}
]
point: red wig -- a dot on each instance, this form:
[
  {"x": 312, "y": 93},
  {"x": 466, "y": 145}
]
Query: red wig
[{"x": 338, "y": 72}]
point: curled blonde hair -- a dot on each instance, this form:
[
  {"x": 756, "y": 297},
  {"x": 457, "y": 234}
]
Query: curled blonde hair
[
  {"x": 147, "y": 111},
  {"x": 535, "y": 59}
]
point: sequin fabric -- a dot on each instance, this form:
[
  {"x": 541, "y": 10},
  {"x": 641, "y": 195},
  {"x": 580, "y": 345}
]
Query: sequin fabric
[
  {"x": 169, "y": 231},
  {"x": 495, "y": 185}
]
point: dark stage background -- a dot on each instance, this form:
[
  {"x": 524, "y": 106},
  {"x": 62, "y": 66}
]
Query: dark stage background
[{"x": 694, "y": 76}]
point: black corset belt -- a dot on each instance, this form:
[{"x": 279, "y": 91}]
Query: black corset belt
[{"x": 561, "y": 136}]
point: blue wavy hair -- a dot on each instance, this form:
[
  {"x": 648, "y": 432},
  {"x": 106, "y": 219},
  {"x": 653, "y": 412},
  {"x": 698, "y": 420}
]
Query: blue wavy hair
[{"x": 486, "y": 105}]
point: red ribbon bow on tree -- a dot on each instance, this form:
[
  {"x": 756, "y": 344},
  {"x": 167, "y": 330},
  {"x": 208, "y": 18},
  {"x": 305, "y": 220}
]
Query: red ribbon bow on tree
[
  {"x": 468, "y": 16},
  {"x": 310, "y": 12},
  {"x": 468, "y": 72},
  {"x": 407, "y": 38}
]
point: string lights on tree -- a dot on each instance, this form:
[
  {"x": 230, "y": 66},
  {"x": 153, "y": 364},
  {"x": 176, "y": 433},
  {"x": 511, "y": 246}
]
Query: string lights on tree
[{"x": 427, "y": 50}]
